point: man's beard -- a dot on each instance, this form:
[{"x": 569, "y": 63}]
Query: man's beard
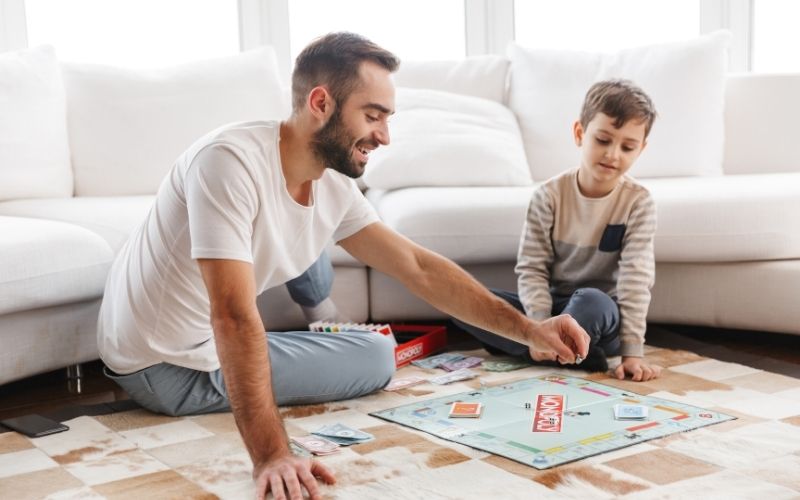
[{"x": 333, "y": 146}]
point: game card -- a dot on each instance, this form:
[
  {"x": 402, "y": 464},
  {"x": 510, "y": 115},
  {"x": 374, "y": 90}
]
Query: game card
[
  {"x": 466, "y": 410},
  {"x": 630, "y": 412}
]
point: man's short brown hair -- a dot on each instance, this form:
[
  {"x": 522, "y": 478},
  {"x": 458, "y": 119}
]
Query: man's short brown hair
[
  {"x": 619, "y": 99},
  {"x": 334, "y": 61}
]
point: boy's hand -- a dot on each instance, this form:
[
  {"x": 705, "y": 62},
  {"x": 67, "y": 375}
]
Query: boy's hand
[
  {"x": 637, "y": 368},
  {"x": 560, "y": 338}
]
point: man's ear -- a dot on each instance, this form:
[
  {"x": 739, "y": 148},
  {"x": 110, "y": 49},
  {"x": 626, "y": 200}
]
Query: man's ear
[
  {"x": 577, "y": 132},
  {"x": 321, "y": 103}
]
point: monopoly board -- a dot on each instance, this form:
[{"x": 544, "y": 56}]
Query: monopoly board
[{"x": 584, "y": 426}]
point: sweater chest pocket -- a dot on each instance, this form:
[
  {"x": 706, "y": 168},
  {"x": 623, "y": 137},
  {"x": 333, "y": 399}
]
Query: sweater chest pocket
[{"x": 611, "y": 241}]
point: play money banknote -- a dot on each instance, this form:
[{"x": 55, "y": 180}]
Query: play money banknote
[{"x": 437, "y": 361}]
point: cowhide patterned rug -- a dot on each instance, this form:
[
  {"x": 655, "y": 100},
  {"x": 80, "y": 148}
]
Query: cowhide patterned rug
[{"x": 137, "y": 454}]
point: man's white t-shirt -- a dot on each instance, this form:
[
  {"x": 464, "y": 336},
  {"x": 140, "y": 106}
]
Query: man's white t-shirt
[{"x": 225, "y": 198}]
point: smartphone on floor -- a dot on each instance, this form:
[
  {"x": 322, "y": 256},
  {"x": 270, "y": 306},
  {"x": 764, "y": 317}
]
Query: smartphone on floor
[{"x": 34, "y": 425}]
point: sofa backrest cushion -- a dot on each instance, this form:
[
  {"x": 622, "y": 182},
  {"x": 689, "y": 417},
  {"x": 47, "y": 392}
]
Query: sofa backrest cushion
[
  {"x": 445, "y": 139},
  {"x": 127, "y": 127},
  {"x": 479, "y": 76},
  {"x": 34, "y": 148},
  {"x": 761, "y": 115},
  {"x": 685, "y": 80}
]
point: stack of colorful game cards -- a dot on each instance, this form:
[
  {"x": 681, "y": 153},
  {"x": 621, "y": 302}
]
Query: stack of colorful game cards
[
  {"x": 630, "y": 412},
  {"x": 331, "y": 327}
]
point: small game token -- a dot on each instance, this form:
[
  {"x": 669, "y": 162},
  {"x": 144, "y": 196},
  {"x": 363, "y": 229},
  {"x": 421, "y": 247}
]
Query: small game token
[
  {"x": 467, "y": 410},
  {"x": 578, "y": 359}
]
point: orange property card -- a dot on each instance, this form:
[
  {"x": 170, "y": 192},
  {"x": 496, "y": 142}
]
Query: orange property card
[{"x": 460, "y": 409}]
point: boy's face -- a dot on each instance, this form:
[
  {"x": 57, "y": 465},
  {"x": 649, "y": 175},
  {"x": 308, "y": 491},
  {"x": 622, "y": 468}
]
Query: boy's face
[{"x": 607, "y": 153}]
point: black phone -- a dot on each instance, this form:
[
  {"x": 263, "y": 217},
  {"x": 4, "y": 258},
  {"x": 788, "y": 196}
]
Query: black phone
[{"x": 34, "y": 425}]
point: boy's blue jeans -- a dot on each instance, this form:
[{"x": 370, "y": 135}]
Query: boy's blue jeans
[
  {"x": 307, "y": 367},
  {"x": 593, "y": 309}
]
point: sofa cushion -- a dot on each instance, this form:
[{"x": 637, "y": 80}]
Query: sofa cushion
[
  {"x": 727, "y": 219},
  {"x": 34, "y": 148},
  {"x": 445, "y": 139},
  {"x": 46, "y": 263},
  {"x": 684, "y": 79},
  {"x": 112, "y": 218},
  {"x": 719, "y": 219},
  {"x": 761, "y": 113},
  {"x": 479, "y": 76},
  {"x": 467, "y": 224},
  {"x": 127, "y": 127}
]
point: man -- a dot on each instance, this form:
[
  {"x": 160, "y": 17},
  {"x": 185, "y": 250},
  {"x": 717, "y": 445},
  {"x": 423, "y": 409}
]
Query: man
[{"x": 251, "y": 206}]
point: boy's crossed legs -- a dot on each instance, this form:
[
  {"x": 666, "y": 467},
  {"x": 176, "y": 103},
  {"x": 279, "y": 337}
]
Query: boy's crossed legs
[{"x": 594, "y": 310}]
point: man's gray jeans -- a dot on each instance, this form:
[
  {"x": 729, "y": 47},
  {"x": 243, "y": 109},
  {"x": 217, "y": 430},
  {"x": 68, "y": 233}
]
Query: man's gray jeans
[{"x": 307, "y": 368}]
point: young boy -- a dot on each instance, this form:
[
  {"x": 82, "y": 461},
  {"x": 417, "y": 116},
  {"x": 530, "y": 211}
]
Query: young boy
[{"x": 587, "y": 245}]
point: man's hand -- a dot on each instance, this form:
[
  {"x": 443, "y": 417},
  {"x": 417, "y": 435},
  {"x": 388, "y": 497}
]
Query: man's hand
[
  {"x": 560, "y": 336},
  {"x": 434, "y": 279},
  {"x": 286, "y": 477},
  {"x": 637, "y": 368}
]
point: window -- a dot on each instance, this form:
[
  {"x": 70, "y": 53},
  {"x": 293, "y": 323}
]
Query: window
[
  {"x": 604, "y": 26},
  {"x": 412, "y": 29},
  {"x": 775, "y": 36},
  {"x": 141, "y": 33}
]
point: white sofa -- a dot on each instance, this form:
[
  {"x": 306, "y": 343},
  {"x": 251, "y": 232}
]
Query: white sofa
[{"x": 80, "y": 176}]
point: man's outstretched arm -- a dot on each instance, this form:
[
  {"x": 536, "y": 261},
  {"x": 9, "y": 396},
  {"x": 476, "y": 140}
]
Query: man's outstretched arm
[
  {"x": 244, "y": 357},
  {"x": 446, "y": 286}
]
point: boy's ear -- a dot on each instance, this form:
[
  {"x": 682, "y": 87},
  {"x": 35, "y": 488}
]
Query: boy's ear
[
  {"x": 577, "y": 132},
  {"x": 320, "y": 103}
]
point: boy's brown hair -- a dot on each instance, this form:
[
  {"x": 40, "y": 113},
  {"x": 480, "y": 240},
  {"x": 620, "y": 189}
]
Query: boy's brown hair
[
  {"x": 334, "y": 61},
  {"x": 620, "y": 99}
]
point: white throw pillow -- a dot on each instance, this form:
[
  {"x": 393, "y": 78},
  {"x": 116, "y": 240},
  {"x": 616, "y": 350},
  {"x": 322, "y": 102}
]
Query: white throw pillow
[
  {"x": 478, "y": 76},
  {"x": 127, "y": 127},
  {"x": 686, "y": 81},
  {"x": 444, "y": 139},
  {"x": 34, "y": 146}
]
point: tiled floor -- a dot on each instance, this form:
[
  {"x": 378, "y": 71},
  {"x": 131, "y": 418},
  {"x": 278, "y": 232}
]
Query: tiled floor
[
  {"x": 776, "y": 353},
  {"x": 137, "y": 454}
]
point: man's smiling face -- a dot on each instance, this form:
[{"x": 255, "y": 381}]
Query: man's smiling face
[{"x": 359, "y": 125}]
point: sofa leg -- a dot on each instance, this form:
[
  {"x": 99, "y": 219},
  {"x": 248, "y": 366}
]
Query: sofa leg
[{"x": 74, "y": 378}]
